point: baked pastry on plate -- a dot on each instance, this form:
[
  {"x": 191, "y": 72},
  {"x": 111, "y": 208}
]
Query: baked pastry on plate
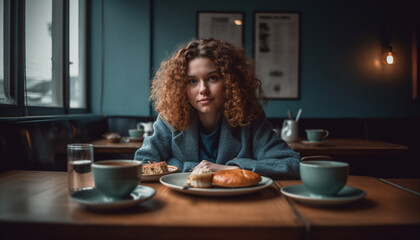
[
  {"x": 154, "y": 168},
  {"x": 200, "y": 178},
  {"x": 236, "y": 178}
]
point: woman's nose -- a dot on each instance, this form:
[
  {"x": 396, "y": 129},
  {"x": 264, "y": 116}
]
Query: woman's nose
[{"x": 203, "y": 88}]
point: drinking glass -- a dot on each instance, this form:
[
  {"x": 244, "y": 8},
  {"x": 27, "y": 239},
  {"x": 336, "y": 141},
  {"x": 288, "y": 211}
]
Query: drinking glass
[{"x": 79, "y": 166}]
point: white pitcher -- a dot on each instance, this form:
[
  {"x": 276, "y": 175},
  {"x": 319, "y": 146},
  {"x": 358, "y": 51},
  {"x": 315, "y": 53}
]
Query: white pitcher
[
  {"x": 147, "y": 128},
  {"x": 290, "y": 130}
]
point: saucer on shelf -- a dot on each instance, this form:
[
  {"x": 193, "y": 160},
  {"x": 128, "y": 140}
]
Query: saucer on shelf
[
  {"x": 312, "y": 143},
  {"x": 301, "y": 194},
  {"x": 94, "y": 199},
  {"x": 135, "y": 139}
]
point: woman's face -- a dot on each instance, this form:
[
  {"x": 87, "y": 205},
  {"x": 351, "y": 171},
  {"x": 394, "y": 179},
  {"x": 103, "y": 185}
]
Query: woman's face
[{"x": 205, "y": 87}]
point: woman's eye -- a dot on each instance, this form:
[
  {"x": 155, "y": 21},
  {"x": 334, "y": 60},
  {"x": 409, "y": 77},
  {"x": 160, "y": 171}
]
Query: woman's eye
[
  {"x": 192, "y": 81},
  {"x": 213, "y": 78}
]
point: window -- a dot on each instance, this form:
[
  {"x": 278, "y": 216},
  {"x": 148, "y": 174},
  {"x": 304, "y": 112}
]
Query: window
[
  {"x": 77, "y": 60},
  {"x": 49, "y": 36},
  {"x": 3, "y": 83},
  {"x": 2, "y": 94},
  {"x": 7, "y": 95},
  {"x": 41, "y": 65}
]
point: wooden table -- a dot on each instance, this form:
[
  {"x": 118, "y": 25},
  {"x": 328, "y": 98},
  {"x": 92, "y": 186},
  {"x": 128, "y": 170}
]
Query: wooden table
[
  {"x": 37, "y": 204},
  {"x": 385, "y": 213},
  {"x": 104, "y": 146},
  {"x": 332, "y": 147},
  {"x": 408, "y": 184},
  {"x": 349, "y": 147}
]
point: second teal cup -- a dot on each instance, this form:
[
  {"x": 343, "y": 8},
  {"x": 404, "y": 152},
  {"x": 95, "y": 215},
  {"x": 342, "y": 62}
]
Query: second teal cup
[
  {"x": 324, "y": 178},
  {"x": 316, "y": 135},
  {"x": 116, "y": 179},
  {"x": 135, "y": 133}
]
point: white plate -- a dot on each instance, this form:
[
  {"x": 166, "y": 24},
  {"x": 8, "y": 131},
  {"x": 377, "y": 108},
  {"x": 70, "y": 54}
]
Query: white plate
[
  {"x": 155, "y": 177},
  {"x": 92, "y": 198},
  {"x": 178, "y": 181},
  {"x": 301, "y": 194}
]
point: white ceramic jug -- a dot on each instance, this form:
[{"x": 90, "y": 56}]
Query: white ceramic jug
[
  {"x": 290, "y": 130},
  {"x": 147, "y": 128}
]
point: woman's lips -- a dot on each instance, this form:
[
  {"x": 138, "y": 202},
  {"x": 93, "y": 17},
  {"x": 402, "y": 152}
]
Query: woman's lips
[{"x": 205, "y": 100}]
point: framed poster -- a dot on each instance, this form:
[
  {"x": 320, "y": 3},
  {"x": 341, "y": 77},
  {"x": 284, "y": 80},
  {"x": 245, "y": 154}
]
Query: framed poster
[
  {"x": 276, "y": 53},
  {"x": 224, "y": 25}
]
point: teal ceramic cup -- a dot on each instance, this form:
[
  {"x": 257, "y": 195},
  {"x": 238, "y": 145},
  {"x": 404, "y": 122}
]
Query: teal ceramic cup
[
  {"x": 116, "y": 179},
  {"x": 135, "y": 133},
  {"x": 316, "y": 135},
  {"x": 324, "y": 178}
]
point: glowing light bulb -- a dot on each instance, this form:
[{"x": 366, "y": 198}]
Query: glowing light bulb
[
  {"x": 390, "y": 57},
  {"x": 238, "y": 22}
]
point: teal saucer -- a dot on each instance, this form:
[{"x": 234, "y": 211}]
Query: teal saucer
[
  {"x": 94, "y": 199},
  {"x": 301, "y": 194}
]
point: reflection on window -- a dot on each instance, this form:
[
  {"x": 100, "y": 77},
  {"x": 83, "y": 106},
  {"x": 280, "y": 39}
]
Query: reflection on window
[
  {"x": 43, "y": 55},
  {"x": 41, "y": 88},
  {"x": 77, "y": 80},
  {"x": 3, "y": 98}
]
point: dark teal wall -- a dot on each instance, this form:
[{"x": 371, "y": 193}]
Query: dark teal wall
[
  {"x": 125, "y": 51},
  {"x": 341, "y": 44},
  {"x": 95, "y": 54}
]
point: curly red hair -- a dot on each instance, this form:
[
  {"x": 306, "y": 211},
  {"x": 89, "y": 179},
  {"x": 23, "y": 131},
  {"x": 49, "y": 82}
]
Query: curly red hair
[{"x": 242, "y": 89}]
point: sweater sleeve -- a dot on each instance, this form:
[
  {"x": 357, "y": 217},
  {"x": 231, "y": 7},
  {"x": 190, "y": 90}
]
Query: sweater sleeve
[
  {"x": 158, "y": 147},
  {"x": 272, "y": 157}
]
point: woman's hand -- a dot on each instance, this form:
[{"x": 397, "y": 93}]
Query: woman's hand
[{"x": 214, "y": 167}]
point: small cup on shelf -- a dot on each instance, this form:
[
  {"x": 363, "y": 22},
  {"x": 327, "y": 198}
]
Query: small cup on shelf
[
  {"x": 135, "y": 133},
  {"x": 316, "y": 135}
]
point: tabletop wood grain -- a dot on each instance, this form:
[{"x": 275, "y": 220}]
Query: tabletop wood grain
[
  {"x": 385, "y": 213},
  {"x": 39, "y": 203},
  {"x": 104, "y": 146},
  {"x": 339, "y": 146},
  {"x": 349, "y": 147},
  {"x": 412, "y": 184}
]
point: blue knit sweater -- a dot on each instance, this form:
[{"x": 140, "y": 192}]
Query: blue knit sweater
[{"x": 255, "y": 147}]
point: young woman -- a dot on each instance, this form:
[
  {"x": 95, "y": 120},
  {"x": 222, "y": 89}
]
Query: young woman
[{"x": 207, "y": 97}]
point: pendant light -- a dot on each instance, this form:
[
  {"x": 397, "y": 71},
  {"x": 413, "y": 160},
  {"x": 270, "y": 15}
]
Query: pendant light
[{"x": 390, "y": 57}]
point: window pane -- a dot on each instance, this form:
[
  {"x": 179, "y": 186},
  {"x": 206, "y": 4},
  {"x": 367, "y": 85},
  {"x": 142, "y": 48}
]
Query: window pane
[
  {"x": 77, "y": 79},
  {"x": 40, "y": 33},
  {"x": 3, "y": 98}
]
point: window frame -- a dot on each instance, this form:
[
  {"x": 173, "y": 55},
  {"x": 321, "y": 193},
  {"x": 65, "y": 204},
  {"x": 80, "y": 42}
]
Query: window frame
[{"x": 14, "y": 32}]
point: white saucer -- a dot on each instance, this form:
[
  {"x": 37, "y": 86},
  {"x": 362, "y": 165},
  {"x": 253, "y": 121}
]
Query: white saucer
[
  {"x": 92, "y": 198},
  {"x": 301, "y": 194},
  {"x": 312, "y": 143}
]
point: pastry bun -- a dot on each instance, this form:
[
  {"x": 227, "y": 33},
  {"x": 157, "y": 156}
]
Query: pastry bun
[
  {"x": 154, "y": 168},
  {"x": 200, "y": 178},
  {"x": 236, "y": 178}
]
